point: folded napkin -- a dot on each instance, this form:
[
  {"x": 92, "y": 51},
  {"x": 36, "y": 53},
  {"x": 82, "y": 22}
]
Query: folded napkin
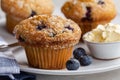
[
  {"x": 8, "y": 64},
  {"x": 9, "y": 68}
]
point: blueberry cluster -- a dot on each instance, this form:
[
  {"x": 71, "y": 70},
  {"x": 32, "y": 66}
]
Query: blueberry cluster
[{"x": 80, "y": 58}]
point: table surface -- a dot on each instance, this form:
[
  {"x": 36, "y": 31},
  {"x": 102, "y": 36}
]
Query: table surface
[{"x": 111, "y": 75}]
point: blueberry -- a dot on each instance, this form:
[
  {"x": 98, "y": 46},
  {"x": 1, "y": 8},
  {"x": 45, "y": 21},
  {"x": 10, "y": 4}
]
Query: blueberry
[
  {"x": 87, "y": 19},
  {"x": 85, "y": 60},
  {"x": 88, "y": 15},
  {"x": 101, "y": 2},
  {"x": 21, "y": 39},
  {"x": 69, "y": 28},
  {"x": 72, "y": 64},
  {"x": 78, "y": 53},
  {"x": 33, "y": 13},
  {"x": 88, "y": 9},
  {"x": 40, "y": 27}
]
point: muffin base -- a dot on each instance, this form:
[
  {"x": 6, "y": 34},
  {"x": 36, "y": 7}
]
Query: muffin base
[
  {"x": 11, "y": 23},
  {"x": 47, "y": 58},
  {"x": 86, "y": 27}
]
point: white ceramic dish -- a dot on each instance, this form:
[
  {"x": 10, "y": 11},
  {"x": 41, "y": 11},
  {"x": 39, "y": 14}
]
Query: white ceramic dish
[
  {"x": 104, "y": 50},
  {"x": 97, "y": 66}
]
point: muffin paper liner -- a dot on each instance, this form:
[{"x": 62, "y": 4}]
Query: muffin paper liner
[{"x": 47, "y": 58}]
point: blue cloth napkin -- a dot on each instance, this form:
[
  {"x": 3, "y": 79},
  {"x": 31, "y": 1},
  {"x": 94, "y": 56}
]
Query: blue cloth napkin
[
  {"x": 8, "y": 64},
  {"x": 21, "y": 76},
  {"x": 9, "y": 68}
]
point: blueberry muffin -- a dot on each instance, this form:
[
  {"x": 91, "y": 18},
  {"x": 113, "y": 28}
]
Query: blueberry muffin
[
  {"x": 48, "y": 40},
  {"x": 89, "y": 13},
  {"x": 18, "y": 10}
]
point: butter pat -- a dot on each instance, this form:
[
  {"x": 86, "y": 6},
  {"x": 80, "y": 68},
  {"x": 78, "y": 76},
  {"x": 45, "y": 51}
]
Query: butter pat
[{"x": 104, "y": 33}]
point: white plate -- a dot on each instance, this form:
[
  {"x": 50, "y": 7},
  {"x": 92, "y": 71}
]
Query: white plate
[{"x": 97, "y": 66}]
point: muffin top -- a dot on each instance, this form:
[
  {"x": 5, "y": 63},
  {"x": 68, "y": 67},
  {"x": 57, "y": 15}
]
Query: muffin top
[
  {"x": 48, "y": 31},
  {"x": 26, "y": 8},
  {"x": 89, "y": 10}
]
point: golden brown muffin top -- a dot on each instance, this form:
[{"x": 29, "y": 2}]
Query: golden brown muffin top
[
  {"x": 48, "y": 31},
  {"x": 26, "y": 8},
  {"x": 89, "y": 10}
]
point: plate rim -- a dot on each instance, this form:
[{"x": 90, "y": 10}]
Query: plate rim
[{"x": 28, "y": 69}]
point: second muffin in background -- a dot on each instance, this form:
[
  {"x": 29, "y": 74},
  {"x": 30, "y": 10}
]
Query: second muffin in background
[
  {"x": 18, "y": 10},
  {"x": 48, "y": 40},
  {"x": 89, "y": 13}
]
